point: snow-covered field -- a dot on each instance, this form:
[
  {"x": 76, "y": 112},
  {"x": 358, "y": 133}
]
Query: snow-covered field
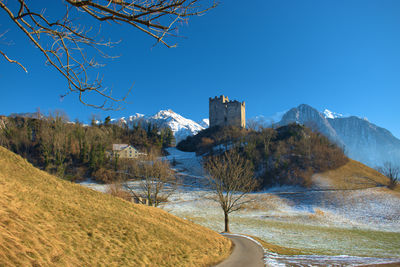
[
  {"x": 339, "y": 226},
  {"x": 336, "y": 228}
]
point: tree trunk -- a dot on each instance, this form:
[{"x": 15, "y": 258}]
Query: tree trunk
[{"x": 226, "y": 222}]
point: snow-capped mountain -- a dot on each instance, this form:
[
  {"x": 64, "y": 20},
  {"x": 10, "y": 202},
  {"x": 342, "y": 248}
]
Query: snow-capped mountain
[
  {"x": 361, "y": 139},
  {"x": 304, "y": 114},
  {"x": 332, "y": 115},
  {"x": 205, "y": 123},
  {"x": 180, "y": 126}
]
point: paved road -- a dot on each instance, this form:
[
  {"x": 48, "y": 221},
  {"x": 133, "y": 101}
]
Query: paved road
[{"x": 246, "y": 253}]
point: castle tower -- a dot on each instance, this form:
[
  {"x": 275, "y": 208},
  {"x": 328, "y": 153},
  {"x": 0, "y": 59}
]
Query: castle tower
[{"x": 224, "y": 112}]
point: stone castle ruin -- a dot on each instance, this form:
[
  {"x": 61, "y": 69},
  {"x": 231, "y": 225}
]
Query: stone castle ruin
[{"x": 227, "y": 113}]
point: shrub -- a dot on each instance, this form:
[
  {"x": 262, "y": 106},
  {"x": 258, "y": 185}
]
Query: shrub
[
  {"x": 104, "y": 175},
  {"x": 117, "y": 190}
]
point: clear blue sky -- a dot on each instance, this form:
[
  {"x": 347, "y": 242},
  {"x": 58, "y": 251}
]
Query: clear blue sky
[{"x": 343, "y": 55}]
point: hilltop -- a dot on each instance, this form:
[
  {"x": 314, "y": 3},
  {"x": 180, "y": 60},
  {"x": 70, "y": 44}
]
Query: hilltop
[
  {"x": 287, "y": 155},
  {"x": 351, "y": 176},
  {"x": 48, "y": 221}
]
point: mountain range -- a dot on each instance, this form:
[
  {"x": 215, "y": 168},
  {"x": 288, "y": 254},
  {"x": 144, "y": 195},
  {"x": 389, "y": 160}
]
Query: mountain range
[
  {"x": 180, "y": 126},
  {"x": 361, "y": 139}
]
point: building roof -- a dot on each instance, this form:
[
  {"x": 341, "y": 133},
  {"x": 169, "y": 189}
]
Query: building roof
[{"x": 119, "y": 147}]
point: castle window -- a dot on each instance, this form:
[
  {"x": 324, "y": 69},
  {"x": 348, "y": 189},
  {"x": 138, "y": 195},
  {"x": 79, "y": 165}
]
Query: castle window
[{"x": 226, "y": 119}]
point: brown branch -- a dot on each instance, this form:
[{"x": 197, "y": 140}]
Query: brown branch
[
  {"x": 63, "y": 42},
  {"x": 13, "y": 61}
]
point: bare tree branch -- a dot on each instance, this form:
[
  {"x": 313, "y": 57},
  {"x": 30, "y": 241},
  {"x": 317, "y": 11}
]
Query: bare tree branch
[
  {"x": 64, "y": 42},
  {"x": 392, "y": 172},
  {"x": 12, "y": 61}
]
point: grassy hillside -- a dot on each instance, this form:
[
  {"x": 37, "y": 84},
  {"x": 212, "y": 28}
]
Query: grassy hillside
[
  {"x": 352, "y": 175},
  {"x": 47, "y": 221}
]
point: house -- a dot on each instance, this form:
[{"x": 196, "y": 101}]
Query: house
[{"x": 125, "y": 151}]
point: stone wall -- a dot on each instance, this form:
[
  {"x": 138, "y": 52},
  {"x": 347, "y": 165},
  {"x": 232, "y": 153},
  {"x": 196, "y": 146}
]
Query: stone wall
[{"x": 224, "y": 112}]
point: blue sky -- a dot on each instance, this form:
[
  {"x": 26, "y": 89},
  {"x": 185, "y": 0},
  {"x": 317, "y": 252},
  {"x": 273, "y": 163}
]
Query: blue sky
[{"x": 343, "y": 55}]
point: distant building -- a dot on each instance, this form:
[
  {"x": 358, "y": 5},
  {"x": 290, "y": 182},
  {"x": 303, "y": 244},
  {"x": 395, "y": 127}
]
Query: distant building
[
  {"x": 223, "y": 112},
  {"x": 125, "y": 151}
]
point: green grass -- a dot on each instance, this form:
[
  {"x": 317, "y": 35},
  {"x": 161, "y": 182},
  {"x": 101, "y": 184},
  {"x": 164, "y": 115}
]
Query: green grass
[
  {"x": 295, "y": 234},
  {"x": 324, "y": 240}
]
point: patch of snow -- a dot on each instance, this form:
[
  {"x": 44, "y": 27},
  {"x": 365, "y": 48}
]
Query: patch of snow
[
  {"x": 274, "y": 259},
  {"x": 205, "y": 123},
  {"x": 136, "y": 116},
  {"x": 94, "y": 185},
  {"x": 332, "y": 115},
  {"x": 186, "y": 161}
]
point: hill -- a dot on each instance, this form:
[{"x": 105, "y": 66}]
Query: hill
[
  {"x": 47, "y": 221},
  {"x": 287, "y": 155},
  {"x": 352, "y": 175}
]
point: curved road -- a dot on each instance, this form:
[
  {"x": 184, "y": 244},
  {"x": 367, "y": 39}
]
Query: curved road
[{"x": 245, "y": 253}]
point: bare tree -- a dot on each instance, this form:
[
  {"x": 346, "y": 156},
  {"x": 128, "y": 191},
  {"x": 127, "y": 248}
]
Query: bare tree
[
  {"x": 392, "y": 172},
  {"x": 259, "y": 123},
  {"x": 150, "y": 179},
  {"x": 231, "y": 177},
  {"x": 63, "y": 41}
]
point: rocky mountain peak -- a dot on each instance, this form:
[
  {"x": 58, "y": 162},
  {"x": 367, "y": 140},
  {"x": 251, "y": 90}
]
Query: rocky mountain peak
[{"x": 361, "y": 139}]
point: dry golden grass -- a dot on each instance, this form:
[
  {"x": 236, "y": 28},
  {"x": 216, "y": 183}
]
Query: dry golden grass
[
  {"x": 353, "y": 175},
  {"x": 45, "y": 221}
]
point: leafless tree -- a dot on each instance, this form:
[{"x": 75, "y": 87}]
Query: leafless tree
[
  {"x": 258, "y": 124},
  {"x": 151, "y": 179},
  {"x": 231, "y": 177},
  {"x": 392, "y": 172},
  {"x": 64, "y": 42},
  {"x": 4, "y": 132}
]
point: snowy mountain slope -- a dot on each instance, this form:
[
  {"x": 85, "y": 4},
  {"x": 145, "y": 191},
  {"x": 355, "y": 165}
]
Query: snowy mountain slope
[
  {"x": 205, "y": 123},
  {"x": 180, "y": 126},
  {"x": 366, "y": 142},
  {"x": 361, "y": 139},
  {"x": 332, "y": 115},
  {"x": 307, "y": 115}
]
